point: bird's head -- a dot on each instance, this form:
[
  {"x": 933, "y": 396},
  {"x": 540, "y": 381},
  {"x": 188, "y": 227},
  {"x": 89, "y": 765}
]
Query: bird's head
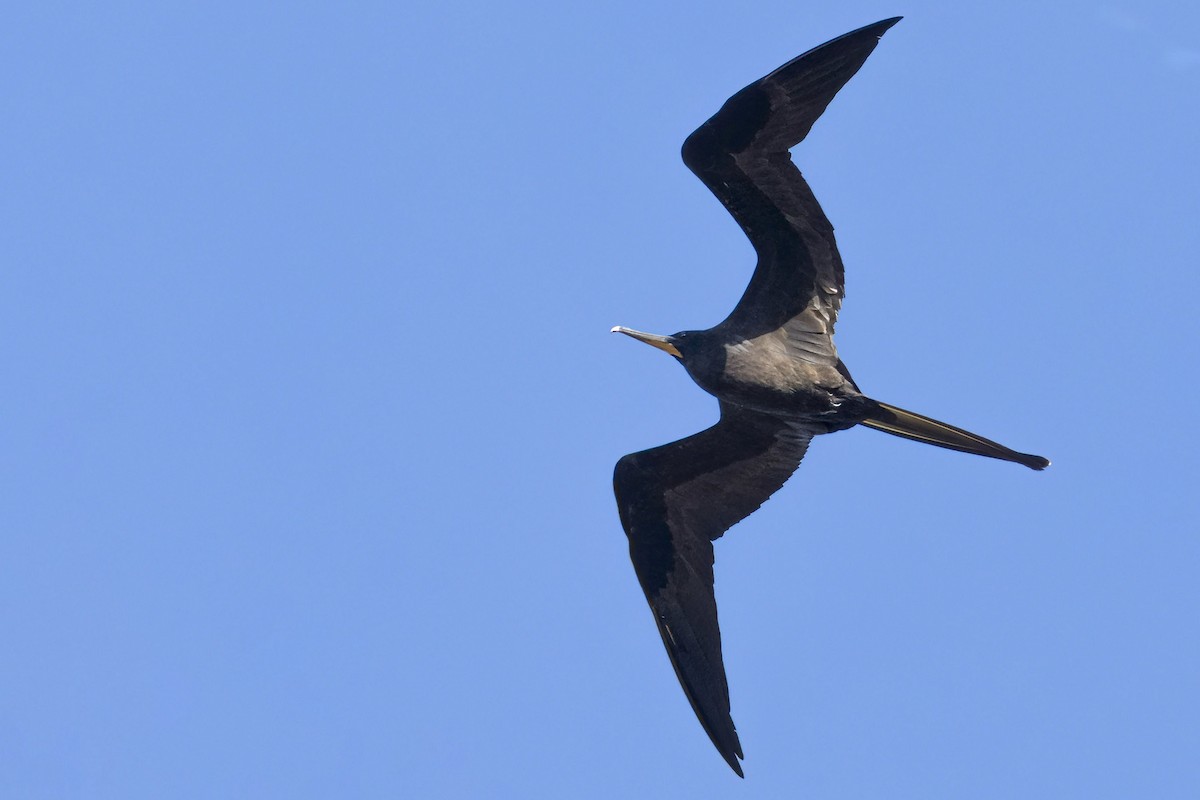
[{"x": 681, "y": 345}]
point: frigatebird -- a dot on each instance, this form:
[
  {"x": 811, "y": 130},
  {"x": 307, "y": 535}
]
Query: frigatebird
[{"x": 771, "y": 363}]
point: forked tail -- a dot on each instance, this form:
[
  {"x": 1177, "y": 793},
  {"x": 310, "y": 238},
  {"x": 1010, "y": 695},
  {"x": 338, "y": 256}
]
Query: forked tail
[{"x": 899, "y": 422}]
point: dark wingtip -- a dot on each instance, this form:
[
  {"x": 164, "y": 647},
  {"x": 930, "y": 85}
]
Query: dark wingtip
[{"x": 879, "y": 27}]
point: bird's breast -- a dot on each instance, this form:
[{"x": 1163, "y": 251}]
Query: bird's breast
[{"x": 764, "y": 375}]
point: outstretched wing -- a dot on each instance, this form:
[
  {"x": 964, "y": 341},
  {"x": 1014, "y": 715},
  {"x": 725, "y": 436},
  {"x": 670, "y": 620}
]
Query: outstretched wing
[
  {"x": 674, "y": 501},
  {"x": 742, "y": 155}
]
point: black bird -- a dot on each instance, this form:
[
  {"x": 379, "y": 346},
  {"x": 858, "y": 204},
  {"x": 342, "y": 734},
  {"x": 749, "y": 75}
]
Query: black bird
[{"x": 771, "y": 364}]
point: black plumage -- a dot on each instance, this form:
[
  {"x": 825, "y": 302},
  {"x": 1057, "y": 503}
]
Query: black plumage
[{"x": 771, "y": 363}]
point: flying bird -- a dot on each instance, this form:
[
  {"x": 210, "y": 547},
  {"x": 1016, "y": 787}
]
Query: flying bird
[{"x": 771, "y": 364}]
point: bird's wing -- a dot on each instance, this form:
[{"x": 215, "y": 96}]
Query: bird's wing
[
  {"x": 674, "y": 501},
  {"x": 742, "y": 155}
]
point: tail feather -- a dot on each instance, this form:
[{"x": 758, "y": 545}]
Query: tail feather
[{"x": 899, "y": 422}]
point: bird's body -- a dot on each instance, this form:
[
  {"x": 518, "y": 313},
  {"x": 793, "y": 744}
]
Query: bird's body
[
  {"x": 761, "y": 374},
  {"x": 771, "y": 363}
]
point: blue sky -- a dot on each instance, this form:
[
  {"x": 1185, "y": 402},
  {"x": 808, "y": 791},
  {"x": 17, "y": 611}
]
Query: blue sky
[{"x": 311, "y": 407}]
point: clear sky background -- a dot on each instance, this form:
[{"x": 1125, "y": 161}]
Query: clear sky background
[{"x": 310, "y": 405}]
